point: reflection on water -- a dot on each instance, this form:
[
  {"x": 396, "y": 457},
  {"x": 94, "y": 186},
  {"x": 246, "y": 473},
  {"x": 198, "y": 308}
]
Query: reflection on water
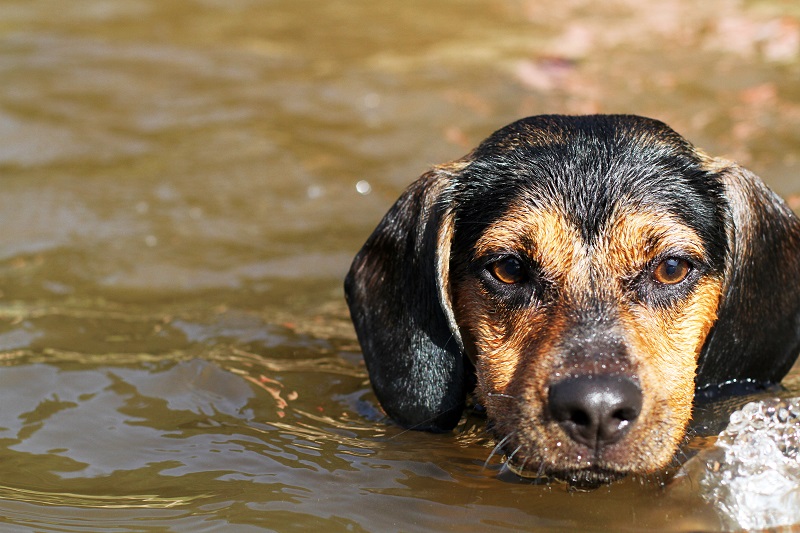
[{"x": 184, "y": 185}]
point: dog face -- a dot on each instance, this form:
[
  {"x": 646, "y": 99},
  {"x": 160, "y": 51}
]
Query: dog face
[
  {"x": 586, "y": 274},
  {"x": 612, "y": 273}
]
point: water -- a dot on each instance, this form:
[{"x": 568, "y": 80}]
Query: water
[
  {"x": 751, "y": 474},
  {"x": 184, "y": 185}
]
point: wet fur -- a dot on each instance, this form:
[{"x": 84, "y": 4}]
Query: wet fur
[{"x": 589, "y": 204}]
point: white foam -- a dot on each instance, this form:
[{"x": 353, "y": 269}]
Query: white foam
[{"x": 752, "y": 473}]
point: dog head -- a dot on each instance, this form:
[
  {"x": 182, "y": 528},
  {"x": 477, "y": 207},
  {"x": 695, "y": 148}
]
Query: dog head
[{"x": 587, "y": 275}]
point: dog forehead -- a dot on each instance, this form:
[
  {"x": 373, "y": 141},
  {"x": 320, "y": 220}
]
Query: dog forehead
[
  {"x": 587, "y": 170},
  {"x": 632, "y": 236}
]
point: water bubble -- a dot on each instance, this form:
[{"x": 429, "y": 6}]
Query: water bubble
[
  {"x": 363, "y": 187},
  {"x": 752, "y": 474},
  {"x": 737, "y": 419}
]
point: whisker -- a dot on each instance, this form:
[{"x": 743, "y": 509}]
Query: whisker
[
  {"x": 501, "y": 395},
  {"x": 518, "y": 448},
  {"x": 511, "y": 457},
  {"x": 497, "y": 448},
  {"x": 522, "y": 466},
  {"x": 540, "y": 472}
]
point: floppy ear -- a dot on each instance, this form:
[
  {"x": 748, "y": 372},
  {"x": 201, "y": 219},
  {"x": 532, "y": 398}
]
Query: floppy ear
[
  {"x": 757, "y": 334},
  {"x": 399, "y": 298}
]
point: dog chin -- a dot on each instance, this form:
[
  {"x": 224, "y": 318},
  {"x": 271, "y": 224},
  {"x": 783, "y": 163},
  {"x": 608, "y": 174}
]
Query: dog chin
[{"x": 579, "y": 479}]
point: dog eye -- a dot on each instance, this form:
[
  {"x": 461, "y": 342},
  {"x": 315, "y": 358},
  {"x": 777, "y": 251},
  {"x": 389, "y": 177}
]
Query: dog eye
[
  {"x": 671, "y": 270},
  {"x": 509, "y": 270}
]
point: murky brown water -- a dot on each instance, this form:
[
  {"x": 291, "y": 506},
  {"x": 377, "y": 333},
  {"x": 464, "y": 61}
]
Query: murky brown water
[{"x": 179, "y": 206}]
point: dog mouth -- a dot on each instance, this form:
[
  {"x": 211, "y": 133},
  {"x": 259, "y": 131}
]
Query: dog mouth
[
  {"x": 587, "y": 478},
  {"x": 543, "y": 460},
  {"x": 581, "y": 435}
]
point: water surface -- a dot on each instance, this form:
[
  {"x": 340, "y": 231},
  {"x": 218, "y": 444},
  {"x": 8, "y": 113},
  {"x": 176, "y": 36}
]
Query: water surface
[{"x": 184, "y": 184}]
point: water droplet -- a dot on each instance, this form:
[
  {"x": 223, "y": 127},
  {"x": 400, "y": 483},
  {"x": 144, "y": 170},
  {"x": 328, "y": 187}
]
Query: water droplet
[{"x": 363, "y": 187}]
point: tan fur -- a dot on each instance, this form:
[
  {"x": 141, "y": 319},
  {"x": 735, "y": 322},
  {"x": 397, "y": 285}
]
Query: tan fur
[{"x": 516, "y": 352}]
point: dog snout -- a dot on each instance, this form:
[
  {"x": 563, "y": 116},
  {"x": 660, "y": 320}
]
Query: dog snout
[{"x": 593, "y": 410}]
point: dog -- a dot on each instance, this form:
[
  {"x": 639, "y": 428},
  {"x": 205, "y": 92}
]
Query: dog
[{"x": 586, "y": 277}]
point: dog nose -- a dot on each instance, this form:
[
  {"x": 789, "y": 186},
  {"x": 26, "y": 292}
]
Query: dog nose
[{"x": 595, "y": 410}]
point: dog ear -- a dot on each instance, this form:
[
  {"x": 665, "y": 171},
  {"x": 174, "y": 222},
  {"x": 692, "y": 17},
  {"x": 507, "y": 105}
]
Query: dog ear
[
  {"x": 756, "y": 337},
  {"x": 399, "y": 298}
]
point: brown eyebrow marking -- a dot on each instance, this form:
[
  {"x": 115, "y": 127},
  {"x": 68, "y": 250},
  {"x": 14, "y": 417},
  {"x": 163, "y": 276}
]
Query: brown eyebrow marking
[
  {"x": 542, "y": 234},
  {"x": 637, "y": 236},
  {"x": 632, "y": 238}
]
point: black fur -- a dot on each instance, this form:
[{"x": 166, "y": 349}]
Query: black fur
[
  {"x": 415, "y": 364},
  {"x": 756, "y": 338}
]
